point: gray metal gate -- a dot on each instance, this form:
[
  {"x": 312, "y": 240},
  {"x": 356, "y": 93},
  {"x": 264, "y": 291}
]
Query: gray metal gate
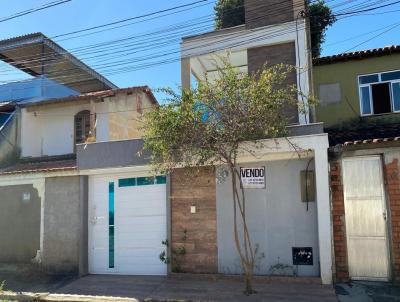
[{"x": 366, "y": 227}]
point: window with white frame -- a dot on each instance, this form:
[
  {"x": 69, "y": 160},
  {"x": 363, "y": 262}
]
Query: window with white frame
[{"x": 379, "y": 92}]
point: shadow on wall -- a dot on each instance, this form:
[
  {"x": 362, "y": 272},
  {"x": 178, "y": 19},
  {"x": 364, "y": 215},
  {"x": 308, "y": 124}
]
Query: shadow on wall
[{"x": 19, "y": 223}]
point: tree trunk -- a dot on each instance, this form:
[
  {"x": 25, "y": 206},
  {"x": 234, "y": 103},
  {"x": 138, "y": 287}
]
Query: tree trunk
[{"x": 245, "y": 251}]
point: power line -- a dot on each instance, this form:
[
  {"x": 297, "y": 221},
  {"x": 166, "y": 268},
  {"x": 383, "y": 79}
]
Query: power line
[
  {"x": 275, "y": 7},
  {"x": 131, "y": 18},
  {"x": 32, "y": 10},
  {"x": 124, "y": 62}
]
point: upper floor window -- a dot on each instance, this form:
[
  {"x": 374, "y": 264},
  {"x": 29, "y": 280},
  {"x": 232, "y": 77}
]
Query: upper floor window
[
  {"x": 379, "y": 92},
  {"x": 82, "y": 126}
]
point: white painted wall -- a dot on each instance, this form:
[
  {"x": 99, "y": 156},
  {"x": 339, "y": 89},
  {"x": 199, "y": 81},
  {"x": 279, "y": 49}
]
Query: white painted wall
[
  {"x": 102, "y": 123},
  {"x": 277, "y": 220},
  {"x": 49, "y": 131},
  {"x": 236, "y": 41}
]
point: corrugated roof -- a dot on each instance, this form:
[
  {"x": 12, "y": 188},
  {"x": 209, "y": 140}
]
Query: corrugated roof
[
  {"x": 31, "y": 52},
  {"x": 94, "y": 95},
  {"x": 357, "y": 55}
]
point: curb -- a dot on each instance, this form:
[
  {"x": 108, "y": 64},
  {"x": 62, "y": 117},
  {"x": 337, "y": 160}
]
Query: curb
[{"x": 46, "y": 297}]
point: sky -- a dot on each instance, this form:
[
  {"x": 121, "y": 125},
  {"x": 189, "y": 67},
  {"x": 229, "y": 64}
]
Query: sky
[{"x": 347, "y": 34}]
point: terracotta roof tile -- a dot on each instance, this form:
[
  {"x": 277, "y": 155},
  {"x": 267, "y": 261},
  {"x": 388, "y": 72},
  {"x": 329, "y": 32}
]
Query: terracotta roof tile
[
  {"x": 40, "y": 165},
  {"x": 96, "y": 94},
  {"x": 357, "y": 55},
  {"x": 364, "y": 134}
]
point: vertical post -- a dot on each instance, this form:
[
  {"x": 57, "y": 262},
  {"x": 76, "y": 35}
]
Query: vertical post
[
  {"x": 92, "y": 121},
  {"x": 323, "y": 213},
  {"x": 185, "y": 73}
]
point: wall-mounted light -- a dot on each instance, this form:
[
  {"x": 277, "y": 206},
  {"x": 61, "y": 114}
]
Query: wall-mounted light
[{"x": 26, "y": 197}]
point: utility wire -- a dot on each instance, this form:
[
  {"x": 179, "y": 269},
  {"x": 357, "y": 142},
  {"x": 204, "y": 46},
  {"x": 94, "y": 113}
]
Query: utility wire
[
  {"x": 33, "y": 10},
  {"x": 147, "y": 58}
]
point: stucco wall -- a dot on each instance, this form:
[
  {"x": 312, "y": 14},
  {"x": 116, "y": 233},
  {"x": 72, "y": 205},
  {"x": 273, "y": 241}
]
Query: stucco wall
[
  {"x": 125, "y": 118},
  {"x": 65, "y": 225},
  {"x": 49, "y": 130},
  {"x": 19, "y": 223},
  {"x": 277, "y": 220},
  {"x": 345, "y": 73}
]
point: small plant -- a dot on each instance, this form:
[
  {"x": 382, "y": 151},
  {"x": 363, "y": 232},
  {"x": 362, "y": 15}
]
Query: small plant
[
  {"x": 2, "y": 285},
  {"x": 177, "y": 254}
]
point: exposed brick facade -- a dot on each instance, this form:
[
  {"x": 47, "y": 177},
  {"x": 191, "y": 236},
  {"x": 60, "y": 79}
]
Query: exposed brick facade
[
  {"x": 260, "y": 13},
  {"x": 271, "y": 55},
  {"x": 201, "y": 238},
  {"x": 392, "y": 176},
  {"x": 339, "y": 224}
]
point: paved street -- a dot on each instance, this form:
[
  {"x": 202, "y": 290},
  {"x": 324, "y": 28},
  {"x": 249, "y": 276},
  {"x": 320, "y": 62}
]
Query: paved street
[{"x": 198, "y": 289}]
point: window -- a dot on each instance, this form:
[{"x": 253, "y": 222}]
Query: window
[
  {"x": 379, "y": 93},
  {"x": 82, "y": 126}
]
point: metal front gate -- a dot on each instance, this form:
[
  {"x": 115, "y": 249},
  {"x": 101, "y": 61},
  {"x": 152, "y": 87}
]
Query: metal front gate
[{"x": 366, "y": 227}]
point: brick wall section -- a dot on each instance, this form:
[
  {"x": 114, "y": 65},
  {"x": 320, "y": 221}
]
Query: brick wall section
[
  {"x": 271, "y": 55},
  {"x": 201, "y": 227},
  {"x": 339, "y": 224},
  {"x": 392, "y": 176},
  {"x": 260, "y": 13}
]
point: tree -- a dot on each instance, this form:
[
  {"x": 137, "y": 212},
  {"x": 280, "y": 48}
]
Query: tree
[
  {"x": 321, "y": 17},
  {"x": 230, "y": 13},
  {"x": 215, "y": 122}
]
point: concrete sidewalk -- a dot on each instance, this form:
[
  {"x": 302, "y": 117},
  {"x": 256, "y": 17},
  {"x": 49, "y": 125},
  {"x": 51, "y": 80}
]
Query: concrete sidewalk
[{"x": 197, "y": 288}]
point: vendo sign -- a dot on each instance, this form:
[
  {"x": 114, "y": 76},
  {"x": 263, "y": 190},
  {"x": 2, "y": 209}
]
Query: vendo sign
[{"x": 253, "y": 177}]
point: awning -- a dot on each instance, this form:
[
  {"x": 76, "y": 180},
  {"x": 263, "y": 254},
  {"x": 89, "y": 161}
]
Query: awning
[{"x": 37, "y": 55}]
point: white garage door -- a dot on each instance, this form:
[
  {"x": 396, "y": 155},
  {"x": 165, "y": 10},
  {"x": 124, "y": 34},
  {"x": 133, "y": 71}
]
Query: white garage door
[{"x": 127, "y": 223}]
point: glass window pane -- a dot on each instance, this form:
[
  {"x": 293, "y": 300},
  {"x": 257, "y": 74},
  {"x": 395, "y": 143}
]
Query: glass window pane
[
  {"x": 396, "y": 96},
  {"x": 394, "y": 75},
  {"x": 372, "y": 78},
  {"x": 161, "y": 180},
  {"x": 365, "y": 101},
  {"x": 381, "y": 98},
  {"x": 142, "y": 181},
  {"x": 127, "y": 182},
  {"x": 111, "y": 225}
]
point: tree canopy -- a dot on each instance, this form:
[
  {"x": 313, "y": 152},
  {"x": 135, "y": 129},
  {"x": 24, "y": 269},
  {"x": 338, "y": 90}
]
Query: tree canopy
[
  {"x": 229, "y": 13},
  {"x": 205, "y": 125}
]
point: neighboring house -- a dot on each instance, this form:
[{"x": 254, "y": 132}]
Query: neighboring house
[
  {"x": 45, "y": 198},
  {"x": 359, "y": 96},
  {"x": 283, "y": 223}
]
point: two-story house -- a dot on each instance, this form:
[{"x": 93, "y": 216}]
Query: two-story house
[
  {"x": 359, "y": 101},
  {"x": 69, "y": 117},
  {"x": 76, "y": 191},
  {"x": 283, "y": 222}
]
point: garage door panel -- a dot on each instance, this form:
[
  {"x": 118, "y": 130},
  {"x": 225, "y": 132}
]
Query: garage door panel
[
  {"x": 140, "y": 239},
  {"x": 140, "y": 227},
  {"x": 152, "y": 254},
  {"x": 139, "y": 212},
  {"x": 143, "y": 223}
]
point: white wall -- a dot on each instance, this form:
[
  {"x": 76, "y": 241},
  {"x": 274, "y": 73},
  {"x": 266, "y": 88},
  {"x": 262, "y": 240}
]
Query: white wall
[
  {"x": 241, "y": 39},
  {"x": 49, "y": 131},
  {"x": 277, "y": 219}
]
